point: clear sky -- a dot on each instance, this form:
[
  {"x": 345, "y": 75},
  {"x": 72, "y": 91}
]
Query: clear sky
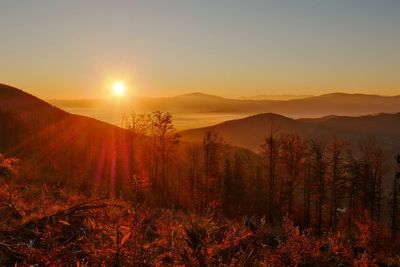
[{"x": 77, "y": 48}]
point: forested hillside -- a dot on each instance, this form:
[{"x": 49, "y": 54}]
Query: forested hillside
[{"x": 144, "y": 196}]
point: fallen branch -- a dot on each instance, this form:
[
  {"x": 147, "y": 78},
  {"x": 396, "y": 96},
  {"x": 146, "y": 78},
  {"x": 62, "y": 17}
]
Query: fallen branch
[{"x": 11, "y": 251}]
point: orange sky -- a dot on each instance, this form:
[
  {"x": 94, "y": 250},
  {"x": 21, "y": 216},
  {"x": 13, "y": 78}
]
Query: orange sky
[{"x": 229, "y": 48}]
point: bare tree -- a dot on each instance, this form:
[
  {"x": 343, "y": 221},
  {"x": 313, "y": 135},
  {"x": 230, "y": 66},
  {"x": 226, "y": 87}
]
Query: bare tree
[
  {"x": 271, "y": 149},
  {"x": 355, "y": 186},
  {"x": 165, "y": 139},
  {"x": 138, "y": 126},
  {"x": 307, "y": 188},
  {"x": 292, "y": 156},
  {"x": 336, "y": 149},
  {"x": 395, "y": 201},
  {"x": 318, "y": 166},
  {"x": 193, "y": 155},
  {"x": 373, "y": 169},
  {"x": 213, "y": 147}
]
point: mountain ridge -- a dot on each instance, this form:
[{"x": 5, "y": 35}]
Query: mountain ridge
[
  {"x": 315, "y": 106},
  {"x": 249, "y": 132}
]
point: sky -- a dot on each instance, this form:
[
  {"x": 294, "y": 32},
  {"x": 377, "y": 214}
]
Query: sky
[{"x": 77, "y": 49}]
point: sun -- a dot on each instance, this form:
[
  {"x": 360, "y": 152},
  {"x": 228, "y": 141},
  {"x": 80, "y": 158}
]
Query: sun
[{"x": 118, "y": 88}]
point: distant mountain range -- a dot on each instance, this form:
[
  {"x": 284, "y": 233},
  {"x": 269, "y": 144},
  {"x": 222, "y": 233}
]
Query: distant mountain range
[
  {"x": 275, "y": 97},
  {"x": 313, "y": 106},
  {"x": 53, "y": 135}
]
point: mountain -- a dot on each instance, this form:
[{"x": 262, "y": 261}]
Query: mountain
[
  {"x": 275, "y": 97},
  {"x": 341, "y": 104},
  {"x": 71, "y": 149},
  {"x": 30, "y": 109},
  {"x": 60, "y": 147},
  {"x": 250, "y": 132},
  {"x": 22, "y": 115},
  {"x": 314, "y": 106}
]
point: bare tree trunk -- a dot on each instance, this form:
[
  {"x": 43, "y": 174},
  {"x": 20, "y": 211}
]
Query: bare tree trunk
[{"x": 395, "y": 202}]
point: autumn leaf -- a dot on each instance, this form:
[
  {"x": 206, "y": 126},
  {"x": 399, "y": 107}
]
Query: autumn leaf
[
  {"x": 64, "y": 222},
  {"x": 91, "y": 223},
  {"x": 125, "y": 238},
  {"x": 124, "y": 228}
]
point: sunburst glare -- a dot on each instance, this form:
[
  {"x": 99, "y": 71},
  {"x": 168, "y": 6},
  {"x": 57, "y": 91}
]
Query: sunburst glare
[{"x": 118, "y": 88}]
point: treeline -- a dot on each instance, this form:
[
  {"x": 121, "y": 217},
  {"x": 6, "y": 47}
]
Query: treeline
[
  {"x": 42, "y": 225},
  {"x": 319, "y": 184},
  {"x": 324, "y": 185}
]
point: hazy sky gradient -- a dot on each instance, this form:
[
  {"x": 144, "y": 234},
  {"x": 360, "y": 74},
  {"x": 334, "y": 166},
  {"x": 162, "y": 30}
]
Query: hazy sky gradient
[{"x": 75, "y": 49}]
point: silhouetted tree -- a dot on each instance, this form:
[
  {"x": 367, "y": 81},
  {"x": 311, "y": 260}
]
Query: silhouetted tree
[
  {"x": 355, "y": 187},
  {"x": 292, "y": 156},
  {"x": 373, "y": 160},
  {"x": 165, "y": 139},
  {"x": 318, "y": 166},
  {"x": 336, "y": 149},
  {"x": 271, "y": 149},
  {"x": 233, "y": 186},
  {"x": 212, "y": 146},
  {"x": 307, "y": 188},
  {"x": 138, "y": 126},
  {"x": 193, "y": 153},
  {"x": 395, "y": 201}
]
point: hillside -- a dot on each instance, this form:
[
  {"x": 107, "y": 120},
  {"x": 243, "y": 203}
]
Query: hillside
[
  {"x": 59, "y": 147},
  {"x": 33, "y": 114},
  {"x": 24, "y": 103},
  {"x": 250, "y": 132},
  {"x": 89, "y": 150},
  {"x": 22, "y": 115},
  {"x": 78, "y": 181}
]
